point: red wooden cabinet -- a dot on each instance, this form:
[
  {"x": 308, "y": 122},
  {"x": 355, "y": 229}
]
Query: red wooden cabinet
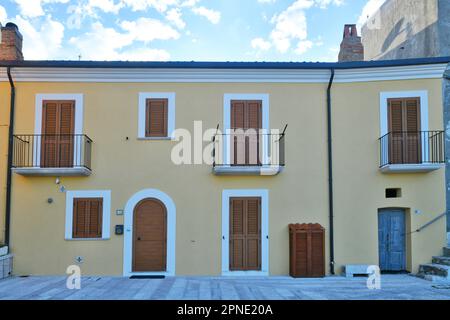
[{"x": 306, "y": 250}]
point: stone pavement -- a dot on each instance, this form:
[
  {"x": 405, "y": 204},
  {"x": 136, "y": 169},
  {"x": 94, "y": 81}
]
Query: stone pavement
[{"x": 400, "y": 287}]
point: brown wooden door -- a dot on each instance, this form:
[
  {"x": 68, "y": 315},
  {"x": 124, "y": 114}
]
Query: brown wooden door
[
  {"x": 57, "y": 140},
  {"x": 404, "y": 127},
  {"x": 246, "y": 121},
  {"x": 245, "y": 234},
  {"x": 149, "y": 236}
]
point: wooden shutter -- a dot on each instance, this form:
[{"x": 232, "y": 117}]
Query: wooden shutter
[
  {"x": 49, "y": 140},
  {"x": 156, "y": 118},
  {"x": 57, "y": 140},
  {"x": 413, "y": 135},
  {"x": 245, "y": 234},
  {"x": 87, "y": 217},
  {"x": 307, "y": 250},
  {"x": 245, "y": 115},
  {"x": 404, "y": 129}
]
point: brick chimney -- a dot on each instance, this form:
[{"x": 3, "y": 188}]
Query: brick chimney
[
  {"x": 11, "y": 43},
  {"x": 352, "y": 48}
]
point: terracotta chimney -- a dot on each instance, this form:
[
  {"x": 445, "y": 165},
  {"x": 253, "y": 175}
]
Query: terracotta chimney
[
  {"x": 11, "y": 43},
  {"x": 351, "y": 46}
]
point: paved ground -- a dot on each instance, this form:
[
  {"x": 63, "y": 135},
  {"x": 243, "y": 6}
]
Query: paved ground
[{"x": 204, "y": 288}]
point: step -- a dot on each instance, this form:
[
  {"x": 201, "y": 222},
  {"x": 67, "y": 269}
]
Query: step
[
  {"x": 447, "y": 252},
  {"x": 433, "y": 269},
  {"x": 431, "y": 278},
  {"x": 441, "y": 260}
]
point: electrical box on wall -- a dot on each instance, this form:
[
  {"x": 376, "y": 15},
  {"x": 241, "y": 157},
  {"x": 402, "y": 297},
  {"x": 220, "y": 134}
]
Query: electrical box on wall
[{"x": 119, "y": 229}]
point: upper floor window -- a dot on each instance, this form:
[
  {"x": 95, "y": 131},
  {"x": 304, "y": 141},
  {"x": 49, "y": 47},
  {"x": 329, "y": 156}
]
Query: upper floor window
[{"x": 156, "y": 115}]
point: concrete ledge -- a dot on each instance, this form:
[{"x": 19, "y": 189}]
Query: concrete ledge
[
  {"x": 247, "y": 170},
  {"x": 411, "y": 168},
  {"x": 351, "y": 269},
  {"x": 53, "y": 172}
]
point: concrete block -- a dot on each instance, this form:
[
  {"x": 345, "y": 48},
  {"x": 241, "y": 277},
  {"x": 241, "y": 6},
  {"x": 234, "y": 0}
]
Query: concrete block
[{"x": 351, "y": 269}]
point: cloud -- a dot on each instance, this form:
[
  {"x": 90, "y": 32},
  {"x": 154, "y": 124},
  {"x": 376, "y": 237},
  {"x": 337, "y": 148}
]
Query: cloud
[
  {"x": 369, "y": 10},
  {"x": 290, "y": 25},
  {"x": 3, "y": 15},
  {"x": 174, "y": 16},
  {"x": 43, "y": 42},
  {"x": 323, "y": 4},
  {"x": 148, "y": 29},
  {"x": 261, "y": 44},
  {"x": 103, "y": 43},
  {"x": 144, "y": 54},
  {"x": 141, "y": 5},
  {"x": 212, "y": 15},
  {"x": 108, "y": 6},
  {"x": 303, "y": 46},
  {"x": 33, "y": 8}
]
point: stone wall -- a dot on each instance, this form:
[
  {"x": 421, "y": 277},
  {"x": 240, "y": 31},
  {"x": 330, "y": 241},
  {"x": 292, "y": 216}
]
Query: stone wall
[{"x": 407, "y": 29}]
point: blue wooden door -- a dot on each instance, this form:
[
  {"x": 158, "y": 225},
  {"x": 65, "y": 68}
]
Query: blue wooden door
[{"x": 391, "y": 238}]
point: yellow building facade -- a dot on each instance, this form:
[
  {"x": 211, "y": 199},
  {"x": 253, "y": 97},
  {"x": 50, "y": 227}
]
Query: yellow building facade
[{"x": 127, "y": 166}]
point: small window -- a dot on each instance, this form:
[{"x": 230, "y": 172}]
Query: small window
[
  {"x": 87, "y": 217},
  {"x": 393, "y": 193},
  {"x": 156, "y": 117}
]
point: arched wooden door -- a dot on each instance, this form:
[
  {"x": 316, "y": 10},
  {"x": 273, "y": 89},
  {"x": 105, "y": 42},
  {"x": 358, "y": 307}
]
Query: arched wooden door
[{"x": 149, "y": 236}]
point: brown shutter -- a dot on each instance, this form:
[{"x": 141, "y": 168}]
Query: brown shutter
[
  {"x": 156, "y": 118},
  {"x": 237, "y": 235},
  {"x": 317, "y": 254},
  {"x": 66, "y": 129},
  {"x": 58, "y": 120},
  {"x": 253, "y": 241},
  {"x": 87, "y": 217},
  {"x": 245, "y": 234},
  {"x": 245, "y": 115},
  {"x": 49, "y": 134},
  {"x": 404, "y": 128}
]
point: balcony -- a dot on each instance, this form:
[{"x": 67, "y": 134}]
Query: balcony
[
  {"x": 408, "y": 152},
  {"x": 52, "y": 155},
  {"x": 248, "y": 153}
]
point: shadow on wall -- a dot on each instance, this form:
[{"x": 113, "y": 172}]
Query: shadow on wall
[{"x": 419, "y": 45}]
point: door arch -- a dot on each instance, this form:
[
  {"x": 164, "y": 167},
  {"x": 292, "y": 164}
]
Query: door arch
[{"x": 148, "y": 200}]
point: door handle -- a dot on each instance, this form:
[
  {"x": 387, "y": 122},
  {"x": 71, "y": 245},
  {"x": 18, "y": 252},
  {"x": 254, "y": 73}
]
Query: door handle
[{"x": 139, "y": 238}]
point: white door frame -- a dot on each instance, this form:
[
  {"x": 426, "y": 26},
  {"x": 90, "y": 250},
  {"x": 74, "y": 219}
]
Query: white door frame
[
  {"x": 128, "y": 234},
  {"x": 264, "y": 195}
]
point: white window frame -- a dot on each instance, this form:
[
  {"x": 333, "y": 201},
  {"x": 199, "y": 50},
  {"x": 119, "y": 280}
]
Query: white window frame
[
  {"x": 128, "y": 232},
  {"x": 78, "y": 129},
  {"x": 106, "y": 214},
  {"x": 384, "y": 121},
  {"x": 264, "y": 195},
  {"x": 143, "y": 96},
  {"x": 227, "y": 98}
]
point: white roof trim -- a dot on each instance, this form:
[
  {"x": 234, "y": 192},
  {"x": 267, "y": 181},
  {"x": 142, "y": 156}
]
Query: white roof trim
[{"x": 430, "y": 71}]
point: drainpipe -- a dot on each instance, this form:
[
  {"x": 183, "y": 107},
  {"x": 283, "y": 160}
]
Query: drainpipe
[
  {"x": 330, "y": 173},
  {"x": 10, "y": 157}
]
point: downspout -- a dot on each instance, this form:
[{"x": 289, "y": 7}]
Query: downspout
[
  {"x": 330, "y": 173},
  {"x": 10, "y": 158}
]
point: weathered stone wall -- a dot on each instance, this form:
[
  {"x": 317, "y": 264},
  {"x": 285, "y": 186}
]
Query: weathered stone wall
[
  {"x": 408, "y": 29},
  {"x": 446, "y": 88}
]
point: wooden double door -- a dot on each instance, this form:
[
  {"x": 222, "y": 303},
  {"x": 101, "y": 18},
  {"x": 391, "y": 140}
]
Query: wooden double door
[
  {"x": 405, "y": 140},
  {"x": 57, "y": 139},
  {"x": 246, "y": 122},
  {"x": 245, "y": 234},
  {"x": 149, "y": 236}
]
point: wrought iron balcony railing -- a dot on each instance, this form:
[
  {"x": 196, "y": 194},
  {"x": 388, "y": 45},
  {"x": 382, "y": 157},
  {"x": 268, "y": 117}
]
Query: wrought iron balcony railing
[
  {"x": 241, "y": 149},
  {"x": 47, "y": 151},
  {"x": 421, "y": 147}
]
